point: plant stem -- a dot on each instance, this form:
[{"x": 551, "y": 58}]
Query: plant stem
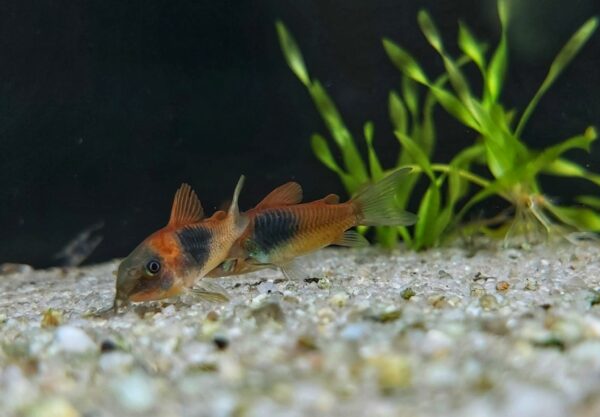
[{"x": 474, "y": 178}]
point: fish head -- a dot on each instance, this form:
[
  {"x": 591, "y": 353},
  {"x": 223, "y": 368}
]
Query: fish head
[{"x": 149, "y": 273}]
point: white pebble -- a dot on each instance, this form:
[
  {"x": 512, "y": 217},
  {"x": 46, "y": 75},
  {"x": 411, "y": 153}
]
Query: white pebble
[
  {"x": 526, "y": 401},
  {"x": 135, "y": 392},
  {"x": 339, "y": 299},
  {"x": 436, "y": 343},
  {"x": 115, "y": 361},
  {"x": 354, "y": 331},
  {"x": 74, "y": 340},
  {"x": 266, "y": 287}
]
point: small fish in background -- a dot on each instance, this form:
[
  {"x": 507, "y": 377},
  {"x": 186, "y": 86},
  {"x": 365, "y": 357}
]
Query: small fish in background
[
  {"x": 173, "y": 259},
  {"x": 10, "y": 268},
  {"x": 280, "y": 229},
  {"x": 81, "y": 247}
]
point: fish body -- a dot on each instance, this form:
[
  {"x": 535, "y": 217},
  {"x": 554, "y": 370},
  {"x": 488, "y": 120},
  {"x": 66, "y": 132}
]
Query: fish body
[
  {"x": 280, "y": 229},
  {"x": 174, "y": 258}
]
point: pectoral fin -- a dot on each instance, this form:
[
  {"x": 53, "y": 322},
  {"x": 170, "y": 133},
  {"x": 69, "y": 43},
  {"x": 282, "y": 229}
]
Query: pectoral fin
[
  {"x": 352, "y": 239},
  {"x": 293, "y": 271},
  {"x": 211, "y": 291},
  {"x": 228, "y": 265}
]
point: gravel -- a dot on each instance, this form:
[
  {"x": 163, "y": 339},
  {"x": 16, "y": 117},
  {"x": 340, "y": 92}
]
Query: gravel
[{"x": 447, "y": 332}]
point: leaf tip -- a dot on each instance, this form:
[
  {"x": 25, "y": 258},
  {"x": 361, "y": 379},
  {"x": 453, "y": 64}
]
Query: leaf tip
[{"x": 591, "y": 133}]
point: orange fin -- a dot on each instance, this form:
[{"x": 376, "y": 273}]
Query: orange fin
[
  {"x": 186, "y": 207},
  {"x": 352, "y": 239},
  {"x": 284, "y": 195},
  {"x": 331, "y": 199},
  {"x": 218, "y": 215}
]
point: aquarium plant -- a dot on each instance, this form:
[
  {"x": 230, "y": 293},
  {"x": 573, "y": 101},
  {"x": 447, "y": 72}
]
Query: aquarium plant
[{"x": 507, "y": 166}]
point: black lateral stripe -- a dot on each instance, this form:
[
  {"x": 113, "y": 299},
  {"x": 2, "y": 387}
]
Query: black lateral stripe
[
  {"x": 273, "y": 228},
  {"x": 195, "y": 241}
]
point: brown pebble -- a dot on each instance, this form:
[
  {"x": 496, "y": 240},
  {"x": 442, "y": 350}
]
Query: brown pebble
[
  {"x": 386, "y": 316},
  {"x": 439, "y": 301},
  {"x": 502, "y": 286},
  {"x": 306, "y": 342},
  {"x": 212, "y": 316},
  {"x": 407, "y": 293},
  {"x": 270, "y": 311},
  {"x": 51, "y": 318}
]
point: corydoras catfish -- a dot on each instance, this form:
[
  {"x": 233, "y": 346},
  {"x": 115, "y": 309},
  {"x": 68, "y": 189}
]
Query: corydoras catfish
[
  {"x": 174, "y": 258},
  {"x": 280, "y": 229}
]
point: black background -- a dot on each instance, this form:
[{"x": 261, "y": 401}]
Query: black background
[{"x": 107, "y": 106}]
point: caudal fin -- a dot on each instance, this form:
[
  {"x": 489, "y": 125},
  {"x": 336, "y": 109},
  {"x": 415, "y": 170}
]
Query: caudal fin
[{"x": 376, "y": 204}]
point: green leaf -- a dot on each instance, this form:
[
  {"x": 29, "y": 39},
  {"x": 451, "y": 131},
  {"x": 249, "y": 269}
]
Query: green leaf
[
  {"x": 323, "y": 153},
  {"x": 430, "y": 31},
  {"x": 458, "y": 81},
  {"x": 404, "y": 61},
  {"x": 416, "y": 154},
  {"x": 497, "y": 68},
  {"x": 565, "y": 168},
  {"x": 427, "y": 217},
  {"x": 397, "y": 112},
  {"x": 582, "y": 218},
  {"x": 564, "y": 57},
  {"x": 551, "y": 154},
  {"x": 469, "y": 45},
  {"x": 411, "y": 97},
  {"x": 497, "y": 187},
  {"x": 442, "y": 222},
  {"x": 352, "y": 159},
  {"x": 292, "y": 53},
  {"x": 374, "y": 165},
  {"x": 455, "y": 107},
  {"x": 405, "y": 235},
  {"x": 457, "y": 185},
  {"x": 330, "y": 115},
  {"x": 387, "y": 236},
  {"x": 426, "y": 137},
  {"x": 590, "y": 200},
  {"x": 409, "y": 67}
]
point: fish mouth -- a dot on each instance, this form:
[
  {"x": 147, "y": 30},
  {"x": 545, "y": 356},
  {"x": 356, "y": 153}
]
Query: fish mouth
[
  {"x": 152, "y": 294},
  {"x": 141, "y": 296}
]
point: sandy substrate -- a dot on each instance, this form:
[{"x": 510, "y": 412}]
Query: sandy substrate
[{"x": 442, "y": 333}]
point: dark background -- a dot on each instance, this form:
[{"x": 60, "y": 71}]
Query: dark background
[{"x": 107, "y": 106}]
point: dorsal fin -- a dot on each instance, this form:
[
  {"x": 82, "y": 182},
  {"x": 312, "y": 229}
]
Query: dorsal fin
[
  {"x": 233, "y": 207},
  {"x": 331, "y": 199},
  {"x": 284, "y": 195},
  {"x": 240, "y": 220},
  {"x": 218, "y": 215},
  {"x": 186, "y": 207}
]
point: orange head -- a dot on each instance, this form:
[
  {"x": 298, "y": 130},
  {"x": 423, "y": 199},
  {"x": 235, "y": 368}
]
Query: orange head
[
  {"x": 152, "y": 270},
  {"x": 171, "y": 259}
]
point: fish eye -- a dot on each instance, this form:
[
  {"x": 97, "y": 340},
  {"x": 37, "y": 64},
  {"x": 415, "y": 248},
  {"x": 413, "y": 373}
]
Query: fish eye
[{"x": 152, "y": 267}]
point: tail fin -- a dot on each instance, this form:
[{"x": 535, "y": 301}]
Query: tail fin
[{"x": 376, "y": 204}]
